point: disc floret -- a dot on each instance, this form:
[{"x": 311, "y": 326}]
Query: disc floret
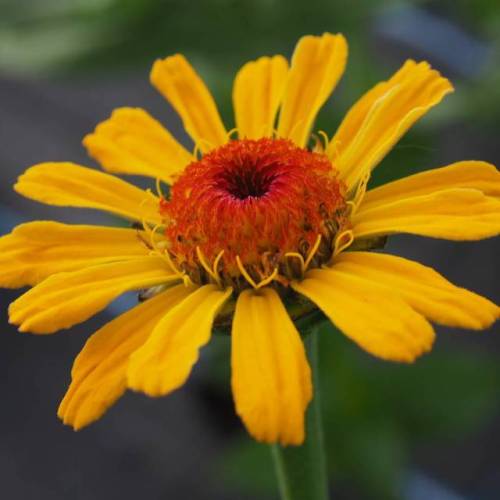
[{"x": 257, "y": 209}]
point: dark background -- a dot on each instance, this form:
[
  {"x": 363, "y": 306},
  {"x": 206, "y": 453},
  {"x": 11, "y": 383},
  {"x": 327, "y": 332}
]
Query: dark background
[{"x": 425, "y": 431}]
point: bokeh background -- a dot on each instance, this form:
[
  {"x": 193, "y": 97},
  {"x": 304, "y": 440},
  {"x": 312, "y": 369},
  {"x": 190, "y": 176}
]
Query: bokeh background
[{"x": 426, "y": 431}]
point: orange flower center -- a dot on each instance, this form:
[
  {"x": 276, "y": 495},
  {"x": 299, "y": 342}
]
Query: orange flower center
[{"x": 254, "y": 207}]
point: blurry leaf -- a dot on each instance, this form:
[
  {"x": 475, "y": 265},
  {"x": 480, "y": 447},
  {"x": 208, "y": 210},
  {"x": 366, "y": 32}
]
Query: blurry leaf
[
  {"x": 373, "y": 460},
  {"x": 375, "y": 411},
  {"x": 443, "y": 395},
  {"x": 412, "y": 154},
  {"x": 248, "y": 466}
]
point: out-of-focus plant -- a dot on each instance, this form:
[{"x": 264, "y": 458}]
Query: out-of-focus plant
[{"x": 82, "y": 37}]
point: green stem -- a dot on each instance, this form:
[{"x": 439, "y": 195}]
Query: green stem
[{"x": 301, "y": 470}]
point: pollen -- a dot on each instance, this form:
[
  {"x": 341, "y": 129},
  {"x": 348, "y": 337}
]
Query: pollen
[{"x": 257, "y": 209}]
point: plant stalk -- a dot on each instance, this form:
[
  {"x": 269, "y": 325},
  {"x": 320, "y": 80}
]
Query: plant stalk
[{"x": 301, "y": 470}]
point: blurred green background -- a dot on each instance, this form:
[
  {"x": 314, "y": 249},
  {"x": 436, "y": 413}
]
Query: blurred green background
[{"x": 425, "y": 431}]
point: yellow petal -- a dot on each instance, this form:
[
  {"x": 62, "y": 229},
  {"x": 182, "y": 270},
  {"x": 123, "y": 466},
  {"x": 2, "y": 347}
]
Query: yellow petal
[
  {"x": 378, "y": 120},
  {"x": 257, "y": 92},
  {"x": 99, "y": 375},
  {"x": 271, "y": 378},
  {"x": 35, "y": 250},
  {"x": 179, "y": 83},
  {"x": 317, "y": 65},
  {"x": 422, "y": 288},
  {"x": 464, "y": 174},
  {"x": 65, "y": 299},
  {"x": 69, "y": 185},
  {"x": 453, "y": 214},
  {"x": 132, "y": 142},
  {"x": 165, "y": 361},
  {"x": 374, "y": 317}
]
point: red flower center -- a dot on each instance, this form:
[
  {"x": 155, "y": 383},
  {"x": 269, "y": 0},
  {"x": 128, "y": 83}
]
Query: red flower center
[{"x": 256, "y": 201}]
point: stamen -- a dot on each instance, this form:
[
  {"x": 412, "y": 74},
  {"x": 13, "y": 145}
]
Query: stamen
[
  {"x": 139, "y": 226},
  {"x": 352, "y": 207},
  {"x": 301, "y": 260},
  {"x": 359, "y": 194},
  {"x": 150, "y": 199},
  {"x": 230, "y": 133},
  {"x": 152, "y": 234},
  {"x": 250, "y": 280},
  {"x": 343, "y": 240},
  {"x": 268, "y": 280},
  {"x": 324, "y": 136},
  {"x": 360, "y": 191},
  {"x": 244, "y": 272},
  {"x": 318, "y": 146},
  {"x": 216, "y": 265},
  {"x": 205, "y": 265},
  {"x": 159, "y": 191},
  {"x": 312, "y": 252},
  {"x": 158, "y": 248}
]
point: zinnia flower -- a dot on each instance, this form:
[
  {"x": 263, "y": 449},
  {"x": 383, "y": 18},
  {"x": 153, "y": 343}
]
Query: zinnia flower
[{"x": 249, "y": 228}]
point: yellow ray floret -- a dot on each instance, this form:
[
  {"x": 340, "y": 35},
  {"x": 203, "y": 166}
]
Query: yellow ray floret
[
  {"x": 179, "y": 83},
  {"x": 68, "y": 185},
  {"x": 374, "y": 317},
  {"x": 478, "y": 175},
  {"x": 65, "y": 299},
  {"x": 132, "y": 142},
  {"x": 257, "y": 93},
  {"x": 422, "y": 288},
  {"x": 36, "y": 250},
  {"x": 453, "y": 214},
  {"x": 271, "y": 378},
  {"x": 317, "y": 65},
  {"x": 165, "y": 361},
  {"x": 379, "y": 119},
  {"x": 99, "y": 375}
]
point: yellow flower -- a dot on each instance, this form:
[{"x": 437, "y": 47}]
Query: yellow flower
[{"x": 248, "y": 225}]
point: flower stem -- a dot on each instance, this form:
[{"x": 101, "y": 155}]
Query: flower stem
[{"x": 301, "y": 470}]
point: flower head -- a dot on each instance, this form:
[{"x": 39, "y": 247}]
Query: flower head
[
  {"x": 257, "y": 204},
  {"x": 248, "y": 224}
]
